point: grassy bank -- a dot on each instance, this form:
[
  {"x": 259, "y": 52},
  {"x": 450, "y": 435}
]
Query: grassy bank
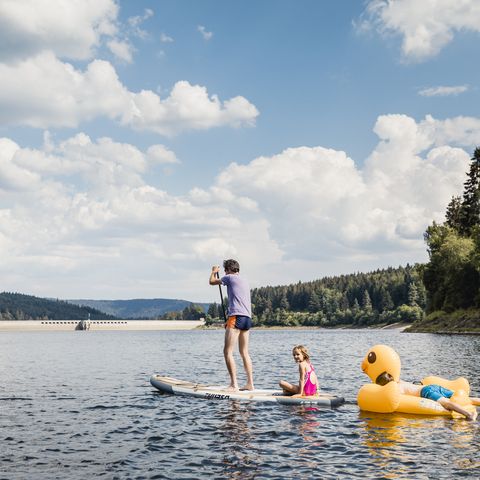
[{"x": 459, "y": 321}]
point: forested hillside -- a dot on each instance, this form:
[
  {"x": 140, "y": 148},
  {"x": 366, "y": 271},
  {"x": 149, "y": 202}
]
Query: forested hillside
[
  {"x": 146, "y": 308},
  {"x": 381, "y": 297},
  {"x": 16, "y": 306}
]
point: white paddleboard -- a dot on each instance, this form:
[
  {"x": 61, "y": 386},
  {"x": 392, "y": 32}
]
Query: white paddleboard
[{"x": 218, "y": 392}]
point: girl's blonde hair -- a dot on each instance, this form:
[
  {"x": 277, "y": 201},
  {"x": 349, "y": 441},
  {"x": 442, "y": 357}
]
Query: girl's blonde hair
[{"x": 303, "y": 350}]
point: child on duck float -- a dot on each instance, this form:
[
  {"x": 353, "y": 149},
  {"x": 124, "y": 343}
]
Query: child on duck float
[{"x": 385, "y": 396}]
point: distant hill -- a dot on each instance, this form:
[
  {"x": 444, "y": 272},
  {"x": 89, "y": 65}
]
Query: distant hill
[
  {"x": 138, "y": 308},
  {"x": 16, "y": 306}
]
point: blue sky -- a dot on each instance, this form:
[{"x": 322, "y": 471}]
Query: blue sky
[{"x": 142, "y": 142}]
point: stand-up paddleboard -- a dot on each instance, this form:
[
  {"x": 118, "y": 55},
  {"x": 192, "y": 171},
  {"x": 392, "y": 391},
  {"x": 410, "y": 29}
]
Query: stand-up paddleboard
[{"x": 218, "y": 392}]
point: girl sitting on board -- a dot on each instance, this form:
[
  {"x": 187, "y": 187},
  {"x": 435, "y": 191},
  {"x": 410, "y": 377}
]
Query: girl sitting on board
[{"x": 308, "y": 382}]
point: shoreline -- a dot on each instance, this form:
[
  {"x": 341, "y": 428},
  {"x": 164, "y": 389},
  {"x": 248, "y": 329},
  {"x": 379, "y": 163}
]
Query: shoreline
[
  {"x": 87, "y": 325},
  {"x": 393, "y": 326}
]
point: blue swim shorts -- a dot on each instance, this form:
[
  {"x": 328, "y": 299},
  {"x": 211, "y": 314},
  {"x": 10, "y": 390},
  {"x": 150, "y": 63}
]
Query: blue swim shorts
[
  {"x": 239, "y": 321},
  {"x": 435, "y": 392}
]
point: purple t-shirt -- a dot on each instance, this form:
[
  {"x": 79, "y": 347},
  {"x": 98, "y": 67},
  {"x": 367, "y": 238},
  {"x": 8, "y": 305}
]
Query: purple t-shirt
[{"x": 238, "y": 292}]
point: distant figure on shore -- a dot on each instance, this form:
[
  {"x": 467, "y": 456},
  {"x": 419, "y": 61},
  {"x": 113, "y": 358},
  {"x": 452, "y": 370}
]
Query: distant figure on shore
[
  {"x": 239, "y": 320},
  {"x": 433, "y": 392},
  {"x": 308, "y": 381}
]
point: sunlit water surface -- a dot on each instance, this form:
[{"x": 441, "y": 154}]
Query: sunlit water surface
[{"x": 79, "y": 404}]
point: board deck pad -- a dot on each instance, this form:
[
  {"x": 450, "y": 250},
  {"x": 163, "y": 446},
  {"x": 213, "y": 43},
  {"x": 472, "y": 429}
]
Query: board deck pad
[{"x": 220, "y": 392}]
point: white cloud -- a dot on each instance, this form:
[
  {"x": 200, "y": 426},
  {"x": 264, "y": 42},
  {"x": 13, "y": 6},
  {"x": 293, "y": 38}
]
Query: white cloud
[
  {"x": 320, "y": 206},
  {"x": 443, "y": 91},
  {"x": 187, "y": 107},
  {"x": 457, "y": 130},
  {"x": 44, "y": 92},
  {"x": 205, "y": 34},
  {"x": 136, "y": 21},
  {"x": 70, "y": 28},
  {"x": 426, "y": 26},
  {"x": 121, "y": 49},
  {"x": 164, "y": 38},
  {"x": 161, "y": 154},
  {"x": 83, "y": 209},
  {"x": 86, "y": 210}
]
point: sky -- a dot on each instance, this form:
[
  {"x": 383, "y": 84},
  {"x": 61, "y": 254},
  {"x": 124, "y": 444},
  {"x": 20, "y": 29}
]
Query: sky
[{"x": 143, "y": 142}]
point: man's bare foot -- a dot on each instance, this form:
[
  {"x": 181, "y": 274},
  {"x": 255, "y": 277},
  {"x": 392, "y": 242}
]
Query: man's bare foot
[
  {"x": 231, "y": 388},
  {"x": 247, "y": 387}
]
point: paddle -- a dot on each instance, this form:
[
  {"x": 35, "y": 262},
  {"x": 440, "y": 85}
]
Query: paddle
[{"x": 221, "y": 299}]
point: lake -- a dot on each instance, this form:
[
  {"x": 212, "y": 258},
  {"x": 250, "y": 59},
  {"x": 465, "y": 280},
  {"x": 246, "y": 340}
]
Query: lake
[{"x": 79, "y": 404}]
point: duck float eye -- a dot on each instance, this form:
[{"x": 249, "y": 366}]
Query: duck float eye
[{"x": 371, "y": 357}]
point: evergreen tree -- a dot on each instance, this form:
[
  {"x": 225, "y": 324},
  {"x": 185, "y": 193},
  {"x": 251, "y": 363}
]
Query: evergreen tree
[
  {"x": 386, "y": 302},
  {"x": 314, "y": 302},
  {"x": 454, "y": 213},
  {"x": 366, "y": 301},
  {"x": 470, "y": 209},
  {"x": 284, "y": 305},
  {"x": 412, "y": 295},
  {"x": 213, "y": 310}
]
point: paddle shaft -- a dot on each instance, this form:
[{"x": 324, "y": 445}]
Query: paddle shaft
[{"x": 221, "y": 299}]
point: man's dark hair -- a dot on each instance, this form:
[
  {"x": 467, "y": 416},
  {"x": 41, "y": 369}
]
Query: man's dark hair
[
  {"x": 383, "y": 379},
  {"x": 231, "y": 265}
]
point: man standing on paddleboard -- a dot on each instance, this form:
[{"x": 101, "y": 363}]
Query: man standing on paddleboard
[{"x": 239, "y": 320}]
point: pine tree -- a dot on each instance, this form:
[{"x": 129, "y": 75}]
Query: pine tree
[
  {"x": 314, "y": 302},
  {"x": 412, "y": 295},
  {"x": 470, "y": 210},
  {"x": 366, "y": 301},
  {"x": 284, "y": 305},
  {"x": 454, "y": 213},
  {"x": 213, "y": 310}
]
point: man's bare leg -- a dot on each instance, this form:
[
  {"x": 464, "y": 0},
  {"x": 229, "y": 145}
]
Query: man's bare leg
[
  {"x": 247, "y": 361},
  {"x": 231, "y": 338}
]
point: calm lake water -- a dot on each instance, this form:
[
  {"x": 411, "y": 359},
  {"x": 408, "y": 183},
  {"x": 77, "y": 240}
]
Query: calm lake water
[{"x": 75, "y": 405}]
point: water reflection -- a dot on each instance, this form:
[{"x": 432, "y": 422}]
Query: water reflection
[
  {"x": 308, "y": 428},
  {"x": 382, "y": 432},
  {"x": 396, "y": 442},
  {"x": 384, "y": 436},
  {"x": 309, "y": 424},
  {"x": 236, "y": 437}
]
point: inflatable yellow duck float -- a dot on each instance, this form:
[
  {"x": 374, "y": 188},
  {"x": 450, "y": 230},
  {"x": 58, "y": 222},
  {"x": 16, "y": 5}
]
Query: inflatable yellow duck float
[{"x": 382, "y": 359}]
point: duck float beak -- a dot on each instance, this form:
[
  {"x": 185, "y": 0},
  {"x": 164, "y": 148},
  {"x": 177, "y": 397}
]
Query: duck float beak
[{"x": 364, "y": 366}]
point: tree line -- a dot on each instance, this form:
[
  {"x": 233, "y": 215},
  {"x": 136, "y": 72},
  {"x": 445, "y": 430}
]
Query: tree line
[
  {"x": 452, "y": 275},
  {"x": 17, "y": 306},
  {"x": 381, "y": 297},
  {"x": 190, "y": 312}
]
